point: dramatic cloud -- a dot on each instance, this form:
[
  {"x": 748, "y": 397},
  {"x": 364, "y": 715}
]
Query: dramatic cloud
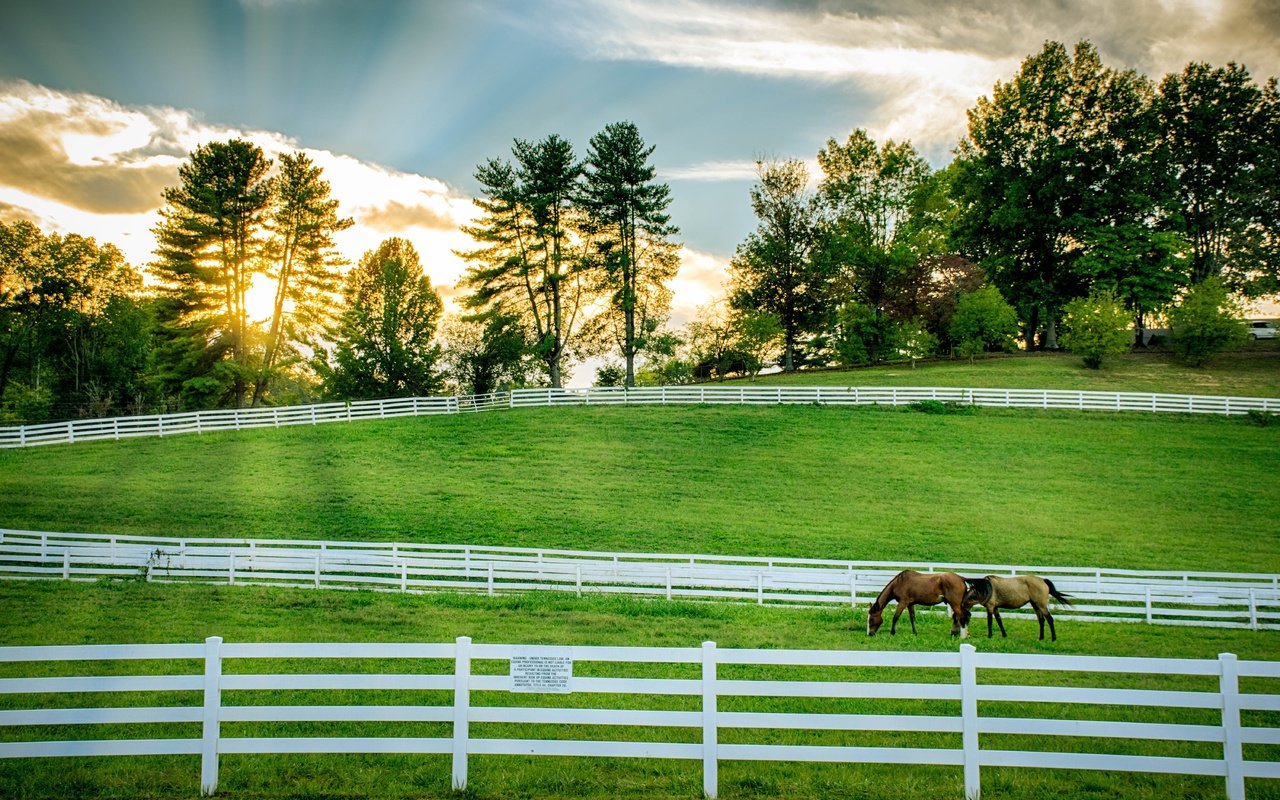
[
  {"x": 80, "y": 163},
  {"x": 699, "y": 281},
  {"x": 711, "y": 171},
  {"x": 923, "y": 63}
]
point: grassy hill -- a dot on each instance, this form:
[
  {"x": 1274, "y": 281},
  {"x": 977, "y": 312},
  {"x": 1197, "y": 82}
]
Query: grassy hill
[{"x": 1030, "y": 487}]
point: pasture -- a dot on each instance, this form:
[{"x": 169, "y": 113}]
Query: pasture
[
  {"x": 42, "y": 613},
  {"x": 988, "y": 486}
]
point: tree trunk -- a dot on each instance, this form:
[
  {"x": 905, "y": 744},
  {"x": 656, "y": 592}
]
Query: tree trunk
[{"x": 1051, "y": 333}]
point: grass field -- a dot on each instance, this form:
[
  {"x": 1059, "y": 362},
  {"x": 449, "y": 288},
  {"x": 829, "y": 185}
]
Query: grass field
[
  {"x": 1054, "y": 488},
  {"x": 992, "y": 486},
  {"x": 41, "y": 613}
]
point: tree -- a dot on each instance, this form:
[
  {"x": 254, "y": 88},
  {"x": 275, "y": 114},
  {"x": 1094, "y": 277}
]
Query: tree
[
  {"x": 384, "y": 338},
  {"x": 74, "y": 329},
  {"x": 871, "y": 238},
  {"x": 209, "y": 241},
  {"x": 774, "y": 269},
  {"x": 1205, "y": 323},
  {"x": 627, "y": 216},
  {"x": 983, "y": 321},
  {"x": 485, "y": 354},
  {"x": 531, "y": 261},
  {"x": 1097, "y": 326},
  {"x": 1219, "y": 136},
  {"x": 1063, "y": 150},
  {"x": 305, "y": 261}
]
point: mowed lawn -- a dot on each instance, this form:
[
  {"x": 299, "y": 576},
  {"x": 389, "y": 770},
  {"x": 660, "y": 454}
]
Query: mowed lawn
[
  {"x": 996, "y": 486},
  {"x": 55, "y": 612}
]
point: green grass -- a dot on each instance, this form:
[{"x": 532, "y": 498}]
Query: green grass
[
  {"x": 44, "y": 613},
  {"x": 1252, "y": 371},
  {"x": 994, "y": 486}
]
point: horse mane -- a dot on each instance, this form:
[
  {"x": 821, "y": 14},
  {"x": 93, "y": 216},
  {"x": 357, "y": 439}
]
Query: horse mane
[
  {"x": 882, "y": 599},
  {"x": 981, "y": 588}
]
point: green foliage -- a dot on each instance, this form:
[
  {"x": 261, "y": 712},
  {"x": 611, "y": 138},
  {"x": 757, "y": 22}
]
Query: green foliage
[
  {"x": 485, "y": 354},
  {"x": 1205, "y": 323},
  {"x": 775, "y": 270},
  {"x": 75, "y": 337},
  {"x": 626, "y": 208},
  {"x": 983, "y": 321},
  {"x": 1219, "y": 131},
  {"x": 611, "y": 375},
  {"x": 1262, "y": 419},
  {"x": 1055, "y": 157},
  {"x": 915, "y": 341},
  {"x": 1097, "y": 327},
  {"x": 942, "y": 407},
  {"x": 384, "y": 344},
  {"x": 861, "y": 335}
]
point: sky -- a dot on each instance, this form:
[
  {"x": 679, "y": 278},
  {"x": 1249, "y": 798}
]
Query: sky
[{"x": 399, "y": 100}]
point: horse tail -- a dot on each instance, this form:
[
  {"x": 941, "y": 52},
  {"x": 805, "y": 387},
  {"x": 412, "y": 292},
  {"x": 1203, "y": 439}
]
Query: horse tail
[{"x": 1066, "y": 600}]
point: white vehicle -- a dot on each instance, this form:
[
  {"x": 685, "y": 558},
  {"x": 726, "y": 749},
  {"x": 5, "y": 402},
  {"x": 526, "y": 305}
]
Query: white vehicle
[{"x": 1262, "y": 330}]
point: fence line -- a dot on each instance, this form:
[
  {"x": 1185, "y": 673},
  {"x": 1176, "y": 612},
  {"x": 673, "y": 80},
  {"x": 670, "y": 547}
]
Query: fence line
[
  {"x": 199, "y": 422},
  {"x": 966, "y": 706},
  {"x": 1203, "y": 599}
]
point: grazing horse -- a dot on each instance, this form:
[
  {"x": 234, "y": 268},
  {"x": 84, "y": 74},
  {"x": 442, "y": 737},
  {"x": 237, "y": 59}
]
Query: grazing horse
[
  {"x": 995, "y": 592},
  {"x": 910, "y": 589}
]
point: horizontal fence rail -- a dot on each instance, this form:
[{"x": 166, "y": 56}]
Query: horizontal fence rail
[
  {"x": 973, "y": 723},
  {"x": 1205, "y": 599},
  {"x": 87, "y": 430}
]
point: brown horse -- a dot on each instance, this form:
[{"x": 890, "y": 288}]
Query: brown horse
[
  {"x": 910, "y": 589},
  {"x": 995, "y": 592}
]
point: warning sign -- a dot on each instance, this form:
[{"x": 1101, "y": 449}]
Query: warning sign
[{"x": 541, "y": 669}]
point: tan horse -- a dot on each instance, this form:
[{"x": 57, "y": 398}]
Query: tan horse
[
  {"x": 911, "y": 589},
  {"x": 995, "y": 592}
]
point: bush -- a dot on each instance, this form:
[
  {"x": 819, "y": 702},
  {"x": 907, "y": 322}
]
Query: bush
[
  {"x": 983, "y": 321},
  {"x": 1206, "y": 323},
  {"x": 1097, "y": 326}
]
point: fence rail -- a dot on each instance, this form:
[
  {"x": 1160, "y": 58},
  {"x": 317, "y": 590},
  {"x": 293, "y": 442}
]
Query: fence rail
[
  {"x": 1204, "y": 599},
  {"x": 955, "y": 697},
  {"x": 115, "y": 428}
]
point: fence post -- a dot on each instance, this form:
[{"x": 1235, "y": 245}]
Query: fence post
[
  {"x": 969, "y": 719},
  {"x": 66, "y": 567},
  {"x": 710, "y": 729},
  {"x": 491, "y": 579},
  {"x": 1232, "y": 747},
  {"x": 231, "y": 569},
  {"x": 1148, "y": 605},
  {"x": 853, "y": 591},
  {"x": 577, "y": 575},
  {"x": 212, "y": 709},
  {"x": 317, "y": 572},
  {"x": 760, "y": 588},
  {"x": 461, "y": 711}
]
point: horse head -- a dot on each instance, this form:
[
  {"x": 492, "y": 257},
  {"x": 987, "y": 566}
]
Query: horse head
[
  {"x": 875, "y": 618},
  {"x": 977, "y": 591}
]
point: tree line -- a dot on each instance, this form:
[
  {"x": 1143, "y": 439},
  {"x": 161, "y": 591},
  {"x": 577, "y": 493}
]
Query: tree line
[
  {"x": 1079, "y": 188},
  {"x": 1084, "y": 201}
]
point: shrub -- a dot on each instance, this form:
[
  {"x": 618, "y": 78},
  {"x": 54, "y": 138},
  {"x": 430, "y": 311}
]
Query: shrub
[
  {"x": 1205, "y": 323},
  {"x": 1097, "y": 326},
  {"x": 983, "y": 321}
]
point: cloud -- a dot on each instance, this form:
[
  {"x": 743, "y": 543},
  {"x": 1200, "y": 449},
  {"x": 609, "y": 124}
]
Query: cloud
[
  {"x": 923, "y": 62},
  {"x": 74, "y": 162},
  {"x": 699, "y": 280},
  {"x": 711, "y": 171}
]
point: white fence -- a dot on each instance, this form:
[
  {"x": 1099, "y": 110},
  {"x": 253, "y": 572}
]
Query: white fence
[
  {"x": 87, "y": 430},
  {"x": 1206, "y": 599},
  {"x": 705, "y": 674}
]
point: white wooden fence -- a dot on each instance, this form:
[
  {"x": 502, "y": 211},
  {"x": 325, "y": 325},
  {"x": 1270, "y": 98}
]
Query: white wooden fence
[
  {"x": 86, "y": 430},
  {"x": 963, "y": 706},
  {"x": 1205, "y": 599}
]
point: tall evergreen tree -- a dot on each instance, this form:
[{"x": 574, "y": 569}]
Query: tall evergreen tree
[
  {"x": 209, "y": 243},
  {"x": 304, "y": 262},
  {"x": 530, "y": 260},
  {"x": 627, "y": 215}
]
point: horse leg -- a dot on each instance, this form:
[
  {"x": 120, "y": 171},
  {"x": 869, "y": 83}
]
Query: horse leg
[
  {"x": 893, "y": 629},
  {"x": 911, "y": 612},
  {"x": 990, "y": 612},
  {"x": 1000, "y": 622},
  {"x": 1040, "y": 619},
  {"x": 1052, "y": 633}
]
